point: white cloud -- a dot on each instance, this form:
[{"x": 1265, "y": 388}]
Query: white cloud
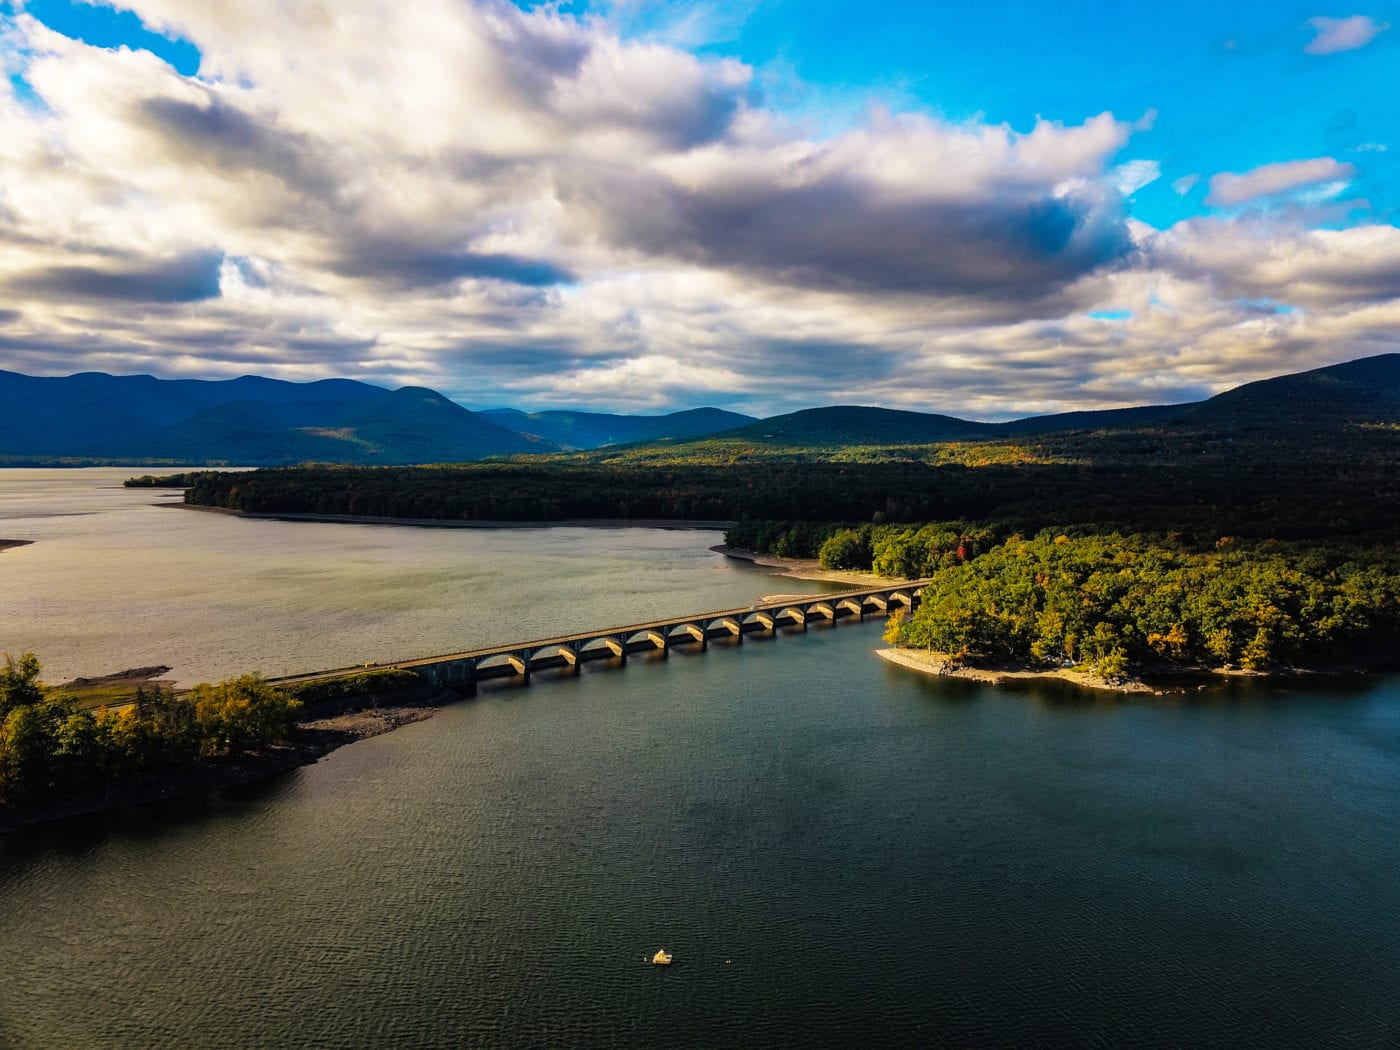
[
  {"x": 1228, "y": 189},
  {"x": 1185, "y": 184},
  {"x": 1342, "y": 34},
  {"x": 1134, "y": 175}
]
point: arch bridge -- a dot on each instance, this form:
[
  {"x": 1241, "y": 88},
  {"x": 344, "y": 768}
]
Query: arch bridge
[{"x": 570, "y": 651}]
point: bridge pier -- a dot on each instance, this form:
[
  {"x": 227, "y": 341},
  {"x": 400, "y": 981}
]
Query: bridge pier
[{"x": 467, "y": 669}]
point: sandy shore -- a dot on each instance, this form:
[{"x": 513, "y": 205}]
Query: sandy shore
[
  {"x": 806, "y": 569},
  {"x": 940, "y": 665}
]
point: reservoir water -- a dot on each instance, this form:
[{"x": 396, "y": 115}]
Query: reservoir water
[
  {"x": 120, "y": 578},
  {"x": 838, "y": 852}
]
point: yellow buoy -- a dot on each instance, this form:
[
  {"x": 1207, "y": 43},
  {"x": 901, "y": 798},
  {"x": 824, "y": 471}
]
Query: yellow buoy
[{"x": 661, "y": 958}]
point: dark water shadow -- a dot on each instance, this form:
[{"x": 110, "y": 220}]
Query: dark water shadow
[{"x": 82, "y": 834}]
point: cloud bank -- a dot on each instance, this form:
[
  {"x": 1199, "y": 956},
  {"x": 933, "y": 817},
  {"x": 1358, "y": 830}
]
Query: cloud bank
[{"x": 522, "y": 207}]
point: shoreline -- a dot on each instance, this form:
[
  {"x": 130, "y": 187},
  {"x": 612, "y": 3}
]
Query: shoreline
[
  {"x": 940, "y": 666},
  {"x": 1162, "y": 681},
  {"x": 805, "y": 568},
  {"x": 456, "y": 523},
  {"x": 332, "y": 727}
]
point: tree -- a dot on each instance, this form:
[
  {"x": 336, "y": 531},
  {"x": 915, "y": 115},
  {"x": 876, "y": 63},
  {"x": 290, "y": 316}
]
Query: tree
[
  {"x": 26, "y": 748},
  {"x": 846, "y": 549},
  {"x": 240, "y": 714},
  {"x": 77, "y": 750},
  {"x": 894, "y": 627},
  {"x": 19, "y": 683}
]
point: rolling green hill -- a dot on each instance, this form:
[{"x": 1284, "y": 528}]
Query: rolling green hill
[{"x": 1322, "y": 403}]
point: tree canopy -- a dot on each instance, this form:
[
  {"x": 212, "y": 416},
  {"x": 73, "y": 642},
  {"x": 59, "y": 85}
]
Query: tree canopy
[{"x": 48, "y": 745}]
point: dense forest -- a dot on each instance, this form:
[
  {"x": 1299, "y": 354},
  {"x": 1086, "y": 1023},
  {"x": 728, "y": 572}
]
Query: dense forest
[
  {"x": 1109, "y": 601},
  {"x": 1113, "y": 602},
  {"x": 1291, "y": 493},
  {"x": 50, "y": 746}
]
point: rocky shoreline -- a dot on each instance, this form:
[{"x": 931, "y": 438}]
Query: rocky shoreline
[
  {"x": 943, "y": 666},
  {"x": 1162, "y": 681}
]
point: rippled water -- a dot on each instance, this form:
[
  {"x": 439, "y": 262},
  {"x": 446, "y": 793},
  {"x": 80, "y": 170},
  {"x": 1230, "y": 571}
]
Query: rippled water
[
  {"x": 115, "y": 580},
  {"x": 838, "y": 852}
]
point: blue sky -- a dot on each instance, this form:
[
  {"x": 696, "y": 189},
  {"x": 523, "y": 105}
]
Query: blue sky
[
  {"x": 646, "y": 205},
  {"x": 1230, "y": 86}
]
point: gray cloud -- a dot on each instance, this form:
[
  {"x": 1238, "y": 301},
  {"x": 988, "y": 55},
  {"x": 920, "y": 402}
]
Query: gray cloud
[
  {"x": 843, "y": 233},
  {"x": 1250, "y": 262},
  {"x": 220, "y": 135},
  {"x": 414, "y": 264},
  {"x": 838, "y": 363},
  {"x": 523, "y": 356},
  {"x": 185, "y": 279}
]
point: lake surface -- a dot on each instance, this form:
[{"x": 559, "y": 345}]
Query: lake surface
[
  {"x": 837, "y": 851},
  {"x": 115, "y": 580}
]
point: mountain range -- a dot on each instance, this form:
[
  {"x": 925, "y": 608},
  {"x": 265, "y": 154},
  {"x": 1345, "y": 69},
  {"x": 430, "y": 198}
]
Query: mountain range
[
  {"x": 586, "y": 430},
  {"x": 257, "y": 421},
  {"x": 1365, "y": 391},
  {"x": 265, "y": 422}
]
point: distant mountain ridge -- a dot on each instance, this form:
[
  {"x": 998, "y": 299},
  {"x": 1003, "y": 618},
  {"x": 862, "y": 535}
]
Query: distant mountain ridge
[
  {"x": 249, "y": 420},
  {"x": 258, "y": 421},
  {"x": 1366, "y": 390},
  {"x": 859, "y": 425},
  {"x": 1362, "y": 391},
  {"x": 586, "y": 430}
]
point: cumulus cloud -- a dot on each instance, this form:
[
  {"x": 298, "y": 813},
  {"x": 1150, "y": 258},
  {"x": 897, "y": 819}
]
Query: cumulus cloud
[
  {"x": 1228, "y": 189},
  {"x": 1342, "y": 34},
  {"x": 1317, "y": 269},
  {"x": 520, "y": 206},
  {"x": 908, "y": 205}
]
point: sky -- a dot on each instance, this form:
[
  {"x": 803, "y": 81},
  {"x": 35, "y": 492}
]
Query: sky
[{"x": 987, "y": 210}]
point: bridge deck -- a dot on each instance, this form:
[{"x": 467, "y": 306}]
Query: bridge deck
[{"x": 801, "y": 603}]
